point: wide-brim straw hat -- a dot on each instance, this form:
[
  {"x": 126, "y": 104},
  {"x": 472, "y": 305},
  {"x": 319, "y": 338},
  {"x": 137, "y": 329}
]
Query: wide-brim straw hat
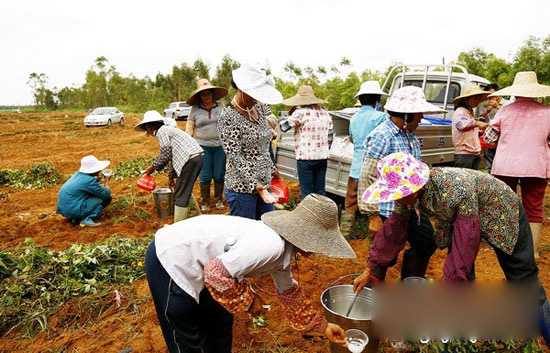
[
  {"x": 305, "y": 96},
  {"x": 312, "y": 227},
  {"x": 149, "y": 117},
  {"x": 399, "y": 175},
  {"x": 411, "y": 99},
  {"x": 90, "y": 165},
  {"x": 255, "y": 82},
  {"x": 203, "y": 85},
  {"x": 471, "y": 91},
  {"x": 525, "y": 85},
  {"x": 371, "y": 87}
]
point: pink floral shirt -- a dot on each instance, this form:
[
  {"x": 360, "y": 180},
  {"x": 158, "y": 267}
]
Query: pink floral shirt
[{"x": 311, "y": 130}]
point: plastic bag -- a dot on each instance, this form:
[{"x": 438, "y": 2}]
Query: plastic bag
[
  {"x": 280, "y": 190},
  {"x": 342, "y": 147}
]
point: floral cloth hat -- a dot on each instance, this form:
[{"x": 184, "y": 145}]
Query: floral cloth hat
[
  {"x": 399, "y": 175},
  {"x": 411, "y": 99}
]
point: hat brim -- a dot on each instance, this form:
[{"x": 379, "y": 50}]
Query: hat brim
[
  {"x": 424, "y": 108},
  {"x": 379, "y": 93},
  {"x": 99, "y": 166},
  {"x": 308, "y": 235},
  {"x": 265, "y": 94},
  {"x": 533, "y": 90},
  {"x": 486, "y": 94},
  {"x": 139, "y": 127},
  {"x": 303, "y": 100},
  {"x": 380, "y": 192},
  {"x": 217, "y": 94}
]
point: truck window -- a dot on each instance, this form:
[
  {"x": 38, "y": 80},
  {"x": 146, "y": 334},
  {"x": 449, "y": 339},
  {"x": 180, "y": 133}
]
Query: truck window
[{"x": 435, "y": 90}]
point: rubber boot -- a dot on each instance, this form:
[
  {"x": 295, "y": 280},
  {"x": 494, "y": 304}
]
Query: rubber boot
[
  {"x": 536, "y": 229},
  {"x": 346, "y": 222},
  {"x": 218, "y": 195},
  {"x": 180, "y": 213},
  {"x": 194, "y": 209},
  {"x": 88, "y": 222},
  {"x": 205, "y": 197},
  {"x": 414, "y": 266}
]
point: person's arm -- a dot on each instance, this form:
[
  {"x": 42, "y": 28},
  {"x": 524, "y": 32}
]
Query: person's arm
[
  {"x": 464, "y": 123},
  {"x": 367, "y": 178},
  {"x": 165, "y": 155},
  {"x": 492, "y": 133},
  {"x": 190, "y": 124},
  {"x": 95, "y": 189},
  {"x": 295, "y": 119},
  {"x": 465, "y": 244}
]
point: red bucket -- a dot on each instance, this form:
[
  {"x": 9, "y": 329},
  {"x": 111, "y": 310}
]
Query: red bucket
[
  {"x": 147, "y": 183},
  {"x": 484, "y": 144},
  {"x": 280, "y": 190}
]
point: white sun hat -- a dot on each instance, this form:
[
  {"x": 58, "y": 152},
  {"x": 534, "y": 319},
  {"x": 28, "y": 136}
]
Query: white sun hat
[
  {"x": 90, "y": 165},
  {"x": 255, "y": 82},
  {"x": 371, "y": 87},
  {"x": 411, "y": 99},
  {"x": 149, "y": 117}
]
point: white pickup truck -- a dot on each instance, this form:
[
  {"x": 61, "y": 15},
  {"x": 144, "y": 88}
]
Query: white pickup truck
[{"x": 441, "y": 84}]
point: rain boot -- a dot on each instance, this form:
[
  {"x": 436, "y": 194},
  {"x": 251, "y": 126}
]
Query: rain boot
[
  {"x": 218, "y": 195},
  {"x": 180, "y": 213},
  {"x": 205, "y": 197},
  {"x": 414, "y": 266},
  {"x": 88, "y": 222},
  {"x": 346, "y": 222},
  {"x": 536, "y": 229},
  {"x": 194, "y": 209}
]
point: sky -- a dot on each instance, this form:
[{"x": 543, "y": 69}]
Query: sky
[{"x": 62, "y": 38}]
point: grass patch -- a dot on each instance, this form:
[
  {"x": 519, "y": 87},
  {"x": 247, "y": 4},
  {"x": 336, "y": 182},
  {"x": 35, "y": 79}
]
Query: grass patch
[
  {"x": 127, "y": 206},
  {"x": 479, "y": 346},
  {"x": 131, "y": 168},
  {"x": 35, "y": 283},
  {"x": 39, "y": 176}
]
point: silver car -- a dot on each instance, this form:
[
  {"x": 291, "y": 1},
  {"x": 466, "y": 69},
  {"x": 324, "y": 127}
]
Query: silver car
[
  {"x": 104, "y": 116},
  {"x": 177, "y": 111}
]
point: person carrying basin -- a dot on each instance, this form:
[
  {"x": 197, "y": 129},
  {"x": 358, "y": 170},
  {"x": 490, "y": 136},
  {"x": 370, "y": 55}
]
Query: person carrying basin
[
  {"x": 198, "y": 272},
  {"x": 82, "y": 198},
  {"x": 202, "y": 124},
  {"x": 360, "y": 126},
  {"x": 467, "y": 205},
  {"x": 406, "y": 108},
  {"x": 184, "y": 157}
]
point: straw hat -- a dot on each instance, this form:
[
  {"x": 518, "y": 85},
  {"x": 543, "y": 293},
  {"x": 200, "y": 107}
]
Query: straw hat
[
  {"x": 399, "y": 175},
  {"x": 470, "y": 91},
  {"x": 411, "y": 99},
  {"x": 371, "y": 87},
  {"x": 525, "y": 85},
  {"x": 312, "y": 226},
  {"x": 305, "y": 96},
  {"x": 255, "y": 82},
  {"x": 149, "y": 117},
  {"x": 202, "y": 85},
  {"x": 90, "y": 165}
]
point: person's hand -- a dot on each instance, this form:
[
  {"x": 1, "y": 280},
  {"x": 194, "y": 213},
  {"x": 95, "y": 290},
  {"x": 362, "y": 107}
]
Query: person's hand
[
  {"x": 375, "y": 223},
  {"x": 481, "y": 125},
  {"x": 276, "y": 174},
  {"x": 150, "y": 170},
  {"x": 257, "y": 306},
  {"x": 265, "y": 194},
  {"x": 172, "y": 183},
  {"x": 362, "y": 280},
  {"x": 336, "y": 334}
]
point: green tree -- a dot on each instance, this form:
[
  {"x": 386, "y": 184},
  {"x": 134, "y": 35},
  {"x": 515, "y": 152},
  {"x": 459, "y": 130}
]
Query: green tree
[
  {"x": 202, "y": 70},
  {"x": 224, "y": 74}
]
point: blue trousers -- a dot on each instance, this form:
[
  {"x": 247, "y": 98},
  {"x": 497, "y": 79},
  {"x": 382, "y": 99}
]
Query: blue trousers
[
  {"x": 213, "y": 165},
  {"x": 186, "y": 325},
  {"x": 311, "y": 174},
  {"x": 246, "y": 205}
]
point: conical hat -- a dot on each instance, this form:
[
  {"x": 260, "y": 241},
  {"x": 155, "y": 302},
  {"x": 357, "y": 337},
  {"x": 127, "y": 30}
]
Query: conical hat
[
  {"x": 305, "y": 96},
  {"x": 470, "y": 91},
  {"x": 202, "y": 85},
  {"x": 525, "y": 85}
]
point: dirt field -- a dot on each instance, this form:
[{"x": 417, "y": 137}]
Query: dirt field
[{"x": 30, "y": 138}]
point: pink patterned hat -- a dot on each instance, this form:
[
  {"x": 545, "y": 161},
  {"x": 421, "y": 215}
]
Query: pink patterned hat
[
  {"x": 411, "y": 99},
  {"x": 399, "y": 175}
]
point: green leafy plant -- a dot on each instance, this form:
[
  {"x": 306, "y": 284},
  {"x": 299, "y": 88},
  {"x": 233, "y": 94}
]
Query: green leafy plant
[
  {"x": 39, "y": 176},
  {"x": 131, "y": 168}
]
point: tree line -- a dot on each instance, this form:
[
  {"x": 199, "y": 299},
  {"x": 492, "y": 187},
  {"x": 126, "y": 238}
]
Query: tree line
[{"x": 105, "y": 86}]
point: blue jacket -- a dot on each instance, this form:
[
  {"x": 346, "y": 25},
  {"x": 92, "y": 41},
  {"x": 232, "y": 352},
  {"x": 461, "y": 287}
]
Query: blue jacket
[{"x": 80, "y": 195}]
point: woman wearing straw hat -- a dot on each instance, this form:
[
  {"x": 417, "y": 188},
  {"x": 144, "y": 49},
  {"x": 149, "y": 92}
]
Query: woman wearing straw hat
[
  {"x": 82, "y": 198},
  {"x": 199, "y": 281},
  {"x": 182, "y": 153},
  {"x": 465, "y": 128},
  {"x": 522, "y": 130},
  {"x": 312, "y": 127},
  {"x": 246, "y": 137},
  {"x": 406, "y": 107},
  {"x": 467, "y": 205},
  {"x": 203, "y": 125},
  {"x": 360, "y": 126}
]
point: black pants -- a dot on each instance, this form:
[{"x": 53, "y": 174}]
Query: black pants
[
  {"x": 184, "y": 183},
  {"x": 186, "y": 325},
  {"x": 469, "y": 161},
  {"x": 489, "y": 156}
]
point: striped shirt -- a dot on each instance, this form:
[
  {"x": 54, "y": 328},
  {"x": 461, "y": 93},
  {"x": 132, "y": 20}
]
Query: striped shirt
[{"x": 176, "y": 146}]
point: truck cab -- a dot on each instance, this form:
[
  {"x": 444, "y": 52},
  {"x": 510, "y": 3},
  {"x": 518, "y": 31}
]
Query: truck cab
[{"x": 441, "y": 84}]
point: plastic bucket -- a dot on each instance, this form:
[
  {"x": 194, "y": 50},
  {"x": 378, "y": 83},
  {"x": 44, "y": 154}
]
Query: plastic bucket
[
  {"x": 164, "y": 202},
  {"x": 336, "y": 302}
]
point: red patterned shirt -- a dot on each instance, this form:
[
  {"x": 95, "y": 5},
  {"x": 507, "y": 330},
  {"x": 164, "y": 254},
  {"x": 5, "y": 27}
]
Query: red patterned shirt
[{"x": 311, "y": 130}]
